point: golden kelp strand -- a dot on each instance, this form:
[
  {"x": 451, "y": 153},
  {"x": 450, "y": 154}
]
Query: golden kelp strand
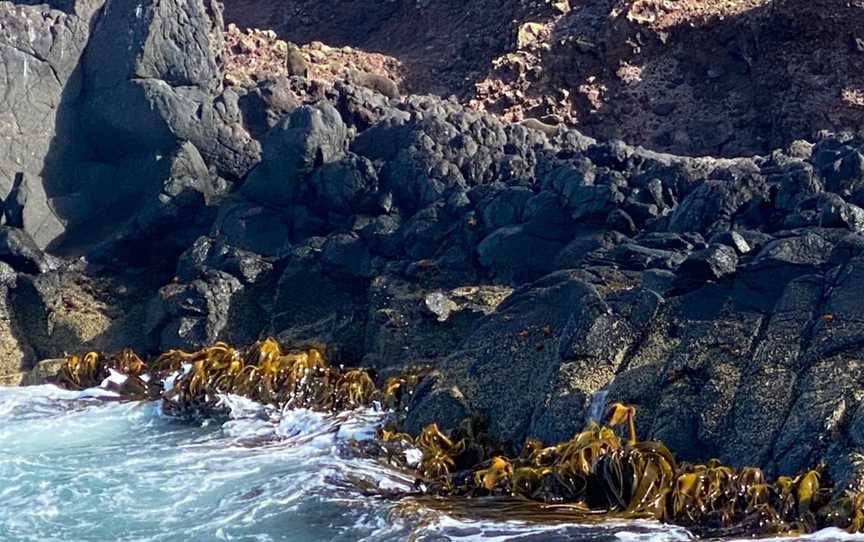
[{"x": 92, "y": 369}]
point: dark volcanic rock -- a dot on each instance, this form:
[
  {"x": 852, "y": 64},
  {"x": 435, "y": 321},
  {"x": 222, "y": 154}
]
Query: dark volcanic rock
[
  {"x": 209, "y": 254},
  {"x": 190, "y": 316},
  {"x": 165, "y": 198},
  {"x": 20, "y": 251},
  {"x": 309, "y": 137},
  {"x": 251, "y": 227},
  {"x": 346, "y": 254},
  {"x": 716, "y": 206},
  {"x": 512, "y": 253},
  {"x": 721, "y": 297},
  {"x": 165, "y": 70},
  {"x": 713, "y": 263},
  {"x": 312, "y": 307},
  {"x": 40, "y": 50},
  {"x": 543, "y": 342}
]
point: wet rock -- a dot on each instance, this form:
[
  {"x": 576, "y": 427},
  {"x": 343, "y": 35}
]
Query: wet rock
[
  {"x": 819, "y": 406},
  {"x": 402, "y": 328},
  {"x": 593, "y": 346},
  {"x": 446, "y": 405},
  {"x": 311, "y": 307},
  {"x": 768, "y": 385},
  {"x": 523, "y": 343},
  {"x": 713, "y": 350}
]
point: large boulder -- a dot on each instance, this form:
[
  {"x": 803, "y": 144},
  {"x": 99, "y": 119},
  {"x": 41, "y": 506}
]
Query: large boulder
[
  {"x": 193, "y": 315},
  {"x": 164, "y": 68},
  {"x": 40, "y": 49},
  {"x": 146, "y": 211}
]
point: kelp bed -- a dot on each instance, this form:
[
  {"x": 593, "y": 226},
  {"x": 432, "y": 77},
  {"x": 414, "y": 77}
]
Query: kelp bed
[{"x": 595, "y": 476}]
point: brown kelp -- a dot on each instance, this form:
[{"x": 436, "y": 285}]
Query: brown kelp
[
  {"x": 196, "y": 381},
  {"x": 93, "y": 369},
  {"x": 598, "y": 474}
]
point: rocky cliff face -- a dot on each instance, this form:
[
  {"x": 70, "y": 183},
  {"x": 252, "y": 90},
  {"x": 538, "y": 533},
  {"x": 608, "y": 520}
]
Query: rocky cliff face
[
  {"x": 532, "y": 268},
  {"x": 694, "y": 77}
]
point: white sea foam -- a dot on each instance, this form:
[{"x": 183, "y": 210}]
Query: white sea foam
[{"x": 114, "y": 378}]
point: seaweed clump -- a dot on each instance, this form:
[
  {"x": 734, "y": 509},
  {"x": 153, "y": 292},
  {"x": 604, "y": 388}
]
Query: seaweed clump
[
  {"x": 193, "y": 384},
  {"x": 600, "y": 475},
  {"x": 124, "y": 372}
]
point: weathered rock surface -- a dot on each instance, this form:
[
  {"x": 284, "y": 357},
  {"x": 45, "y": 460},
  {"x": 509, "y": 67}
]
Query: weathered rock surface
[
  {"x": 531, "y": 272},
  {"x": 40, "y": 50}
]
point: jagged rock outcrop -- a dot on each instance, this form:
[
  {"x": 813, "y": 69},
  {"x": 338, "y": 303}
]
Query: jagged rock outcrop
[{"x": 719, "y": 296}]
